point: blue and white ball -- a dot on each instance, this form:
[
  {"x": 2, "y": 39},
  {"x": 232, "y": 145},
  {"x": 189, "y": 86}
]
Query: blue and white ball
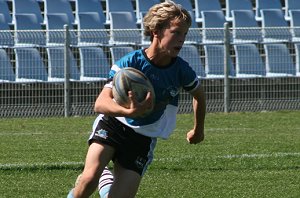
[{"x": 131, "y": 79}]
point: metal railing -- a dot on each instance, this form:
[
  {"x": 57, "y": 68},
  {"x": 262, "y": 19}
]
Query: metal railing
[{"x": 237, "y": 74}]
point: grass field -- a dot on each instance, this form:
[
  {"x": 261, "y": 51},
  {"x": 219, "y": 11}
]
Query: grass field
[{"x": 243, "y": 155}]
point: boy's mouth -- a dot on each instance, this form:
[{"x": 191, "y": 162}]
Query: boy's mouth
[{"x": 177, "y": 48}]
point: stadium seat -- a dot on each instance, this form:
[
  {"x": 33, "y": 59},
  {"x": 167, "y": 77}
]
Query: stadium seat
[
  {"x": 274, "y": 26},
  {"x": 295, "y": 24},
  {"x": 119, "y": 52},
  {"x": 245, "y": 27},
  {"x": 116, "y": 6},
  {"x": 249, "y": 63},
  {"x": 142, "y": 6},
  {"x": 297, "y": 49},
  {"x": 205, "y": 5},
  {"x": 89, "y": 6},
  {"x": 55, "y": 23},
  {"x": 266, "y": 4},
  {"x": 5, "y": 11},
  {"x": 29, "y": 65},
  {"x": 59, "y": 6},
  {"x": 27, "y": 7},
  {"x": 213, "y": 26},
  {"x": 232, "y": 5},
  {"x": 94, "y": 65},
  {"x": 6, "y": 69},
  {"x": 56, "y": 62},
  {"x": 191, "y": 54},
  {"x": 28, "y": 31},
  {"x": 214, "y": 62},
  {"x": 187, "y": 4},
  {"x": 6, "y": 37},
  {"x": 194, "y": 35},
  {"x": 289, "y": 6},
  {"x": 123, "y": 29},
  {"x": 279, "y": 62},
  {"x": 91, "y": 30},
  {"x": 145, "y": 41}
]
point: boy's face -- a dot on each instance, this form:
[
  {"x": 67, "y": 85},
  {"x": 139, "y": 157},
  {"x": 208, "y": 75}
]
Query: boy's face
[{"x": 173, "y": 37}]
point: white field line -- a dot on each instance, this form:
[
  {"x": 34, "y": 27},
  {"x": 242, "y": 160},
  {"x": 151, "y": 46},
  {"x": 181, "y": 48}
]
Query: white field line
[
  {"x": 276, "y": 155},
  {"x": 31, "y": 165},
  {"x": 230, "y": 156},
  {"x": 223, "y": 129},
  {"x": 19, "y": 134},
  {"x": 168, "y": 159}
]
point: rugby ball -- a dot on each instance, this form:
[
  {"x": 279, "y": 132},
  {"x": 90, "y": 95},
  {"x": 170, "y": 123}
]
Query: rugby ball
[{"x": 131, "y": 79}]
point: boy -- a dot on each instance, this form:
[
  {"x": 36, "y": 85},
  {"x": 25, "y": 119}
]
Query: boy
[{"x": 119, "y": 134}]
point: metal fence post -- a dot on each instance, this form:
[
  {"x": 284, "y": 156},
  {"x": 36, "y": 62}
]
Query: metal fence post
[
  {"x": 66, "y": 72},
  {"x": 226, "y": 68}
]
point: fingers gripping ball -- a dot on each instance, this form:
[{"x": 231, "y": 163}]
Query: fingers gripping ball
[{"x": 130, "y": 79}]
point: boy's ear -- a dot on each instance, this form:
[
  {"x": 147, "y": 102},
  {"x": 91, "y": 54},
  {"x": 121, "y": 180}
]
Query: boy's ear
[{"x": 156, "y": 34}]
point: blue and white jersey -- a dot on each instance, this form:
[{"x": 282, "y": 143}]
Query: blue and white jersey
[{"x": 167, "y": 83}]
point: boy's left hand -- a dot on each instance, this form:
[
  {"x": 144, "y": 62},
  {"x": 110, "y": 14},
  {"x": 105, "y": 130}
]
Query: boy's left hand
[{"x": 194, "y": 137}]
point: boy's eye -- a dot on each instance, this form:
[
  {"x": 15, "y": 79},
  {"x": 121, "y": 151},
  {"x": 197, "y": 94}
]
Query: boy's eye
[{"x": 176, "y": 32}]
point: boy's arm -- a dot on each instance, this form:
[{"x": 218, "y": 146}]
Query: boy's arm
[
  {"x": 196, "y": 135},
  {"x": 106, "y": 105}
]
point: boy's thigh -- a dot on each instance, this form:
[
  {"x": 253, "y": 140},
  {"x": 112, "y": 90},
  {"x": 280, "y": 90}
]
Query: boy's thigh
[{"x": 126, "y": 182}]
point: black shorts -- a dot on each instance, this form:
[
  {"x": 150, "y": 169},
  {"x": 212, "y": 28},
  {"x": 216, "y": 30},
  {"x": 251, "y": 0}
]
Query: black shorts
[{"x": 133, "y": 151}]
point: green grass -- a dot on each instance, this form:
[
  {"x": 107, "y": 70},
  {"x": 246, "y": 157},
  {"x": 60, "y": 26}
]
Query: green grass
[{"x": 243, "y": 155}]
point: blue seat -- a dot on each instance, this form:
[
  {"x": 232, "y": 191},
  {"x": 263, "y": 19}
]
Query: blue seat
[
  {"x": 29, "y": 65},
  {"x": 213, "y": 26},
  {"x": 123, "y": 29},
  {"x": 186, "y": 4},
  {"x": 274, "y": 26},
  {"x": 91, "y": 30},
  {"x": 6, "y": 70},
  {"x": 116, "y": 6},
  {"x": 289, "y": 6},
  {"x": 194, "y": 35},
  {"x": 5, "y": 11},
  {"x": 191, "y": 54},
  {"x": 30, "y": 38},
  {"x": 143, "y": 6},
  {"x": 249, "y": 63},
  {"x": 6, "y": 37},
  {"x": 206, "y": 5},
  {"x": 295, "y": 24},
  {"x": 87, "y": 6},
  {"x": 214, "y": 62},
  {"x": 119, "y": 52},
  {"x": 27, "y": 7},
  {"x": 55, "y": 29},
  {"x": 232, "y": 5},
  {"x": 94, "y": 64},
  {"x": 145, "y": 40},
  {"x": 297, "y": 49},
  {"x": 279, "y": 62},
  {"x": 56, "y": 62},
  {"x": 59, "y": 6},
  {"x": 266, "y": 4},
  {"x": 245, "y": 27}
]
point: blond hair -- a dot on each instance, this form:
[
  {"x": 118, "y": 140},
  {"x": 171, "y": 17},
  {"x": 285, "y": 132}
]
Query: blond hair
[{"x": 160, "y": 15}]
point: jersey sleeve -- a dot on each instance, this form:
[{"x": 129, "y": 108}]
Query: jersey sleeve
[{"x": 190, "y": 81}]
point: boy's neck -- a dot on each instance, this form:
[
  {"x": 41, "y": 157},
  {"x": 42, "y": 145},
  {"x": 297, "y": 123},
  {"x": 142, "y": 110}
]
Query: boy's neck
[{"x": 157, "y": 57}]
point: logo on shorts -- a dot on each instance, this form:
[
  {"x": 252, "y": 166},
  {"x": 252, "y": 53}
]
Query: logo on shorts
[
  {"x": 140, "y": 162},
  {"x": 102, "y": 134}
]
